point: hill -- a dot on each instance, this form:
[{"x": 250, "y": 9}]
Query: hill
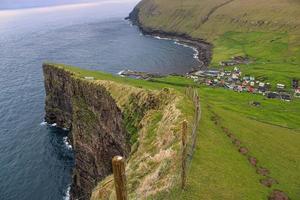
[{"x": 266, "y": 31}]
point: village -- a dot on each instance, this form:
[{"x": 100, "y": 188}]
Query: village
[{"x": 234, "y": 80}]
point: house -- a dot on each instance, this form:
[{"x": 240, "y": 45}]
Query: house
[
  {"x": 235, "y": 76},
  {"x": 273, "y": 95},
  {"x": 250, "y": 89},
  {"x": 89, "y": 78},
  {"x": 262, "y": 87},
  {"x": 286, "y": 97},
  {"x": 280, "y": 86},
  {"x": 295, "y": 83},
  {"x": 227, "y": 73},
  {"x": 297, "y": 93}
]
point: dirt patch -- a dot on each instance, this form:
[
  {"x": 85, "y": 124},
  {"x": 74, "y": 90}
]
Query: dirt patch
[
  {"x": 253, "y": 161},
  {"x": 237, "y": 143},
  {"x": 225, "y": 129},
  {"x": 263, "y": 171},
  {"x": 243, "y": 150},
  {"x": 215, "y": 119},
  {"x": 231, "y": 136},
  {"x": 268, "y": 182},
  {"x": 278, "y": 195}
]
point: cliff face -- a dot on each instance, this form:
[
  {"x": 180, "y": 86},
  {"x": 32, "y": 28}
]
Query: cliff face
[{"x": 95, "y": 122}]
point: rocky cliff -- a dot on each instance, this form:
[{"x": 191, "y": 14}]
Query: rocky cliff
[
  {"x": 95, "y": 122},
  {"x": 105, "y": 118}
]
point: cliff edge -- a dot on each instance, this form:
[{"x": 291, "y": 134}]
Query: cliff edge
[{"x": 108, "y": 118}]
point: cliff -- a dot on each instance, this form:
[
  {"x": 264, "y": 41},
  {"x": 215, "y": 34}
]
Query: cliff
[
  {"x": 95, "y": 121},
  {"x": 105, "y": 118}
]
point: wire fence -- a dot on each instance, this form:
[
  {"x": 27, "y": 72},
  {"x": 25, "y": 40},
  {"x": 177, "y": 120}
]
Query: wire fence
[{"x": 192, "y": 94}]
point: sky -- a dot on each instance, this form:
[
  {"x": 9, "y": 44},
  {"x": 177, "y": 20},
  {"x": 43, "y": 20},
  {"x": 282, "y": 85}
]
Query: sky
[{"x": 19, "y": 4}]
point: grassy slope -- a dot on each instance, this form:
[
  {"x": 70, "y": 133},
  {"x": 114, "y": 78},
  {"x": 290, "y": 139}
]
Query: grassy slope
[
  {"x": 269, "y": 33},
  {"x": 270, "y": 132}
]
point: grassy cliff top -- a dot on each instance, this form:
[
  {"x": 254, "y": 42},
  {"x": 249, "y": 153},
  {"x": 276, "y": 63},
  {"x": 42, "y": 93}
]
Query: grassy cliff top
[{"x": 270, "y": 133}]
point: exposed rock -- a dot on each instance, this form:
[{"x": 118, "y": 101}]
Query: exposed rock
[
  {"x": 253, "y": 161},
  {"x": 237, "y": 143},
  {"x": 268, "y": 182},
  {"x": 243, "y": 150},
  {"x": 95, "y": 122},
  {"x": 278, "y": 195},
  {"x": 263, "y": 171}
]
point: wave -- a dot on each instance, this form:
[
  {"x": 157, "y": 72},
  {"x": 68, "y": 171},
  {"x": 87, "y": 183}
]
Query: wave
[
  {"x": 67, "y": 194},
  {"x": 66, "y": 142},
  {"x": 54, "y": 124},
  {"x": 196, "y": 52},
  {"x": 177, "y": 42},
  {"x": 43, "y": 123}
]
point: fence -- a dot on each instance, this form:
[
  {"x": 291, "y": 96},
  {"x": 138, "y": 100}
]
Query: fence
[{"x": 188, "y": 148}]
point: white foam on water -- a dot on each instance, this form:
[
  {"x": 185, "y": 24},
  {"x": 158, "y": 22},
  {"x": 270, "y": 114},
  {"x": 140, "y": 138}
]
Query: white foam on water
[
  {"x": 120, "y": 73},
  {"x": 67, "y": 144},
  {"x": 177, "y": 42},
  {"x": 43, "y": 123},
  {"x": 67, "y": 194},
  {"x": 195, "y": 55},
  {"x": 54, "y": 125},
  {"x": 162, "y": 38}
]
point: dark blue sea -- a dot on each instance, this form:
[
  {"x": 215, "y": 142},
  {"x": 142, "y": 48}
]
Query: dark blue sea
[{"x": 35, "y": 160}]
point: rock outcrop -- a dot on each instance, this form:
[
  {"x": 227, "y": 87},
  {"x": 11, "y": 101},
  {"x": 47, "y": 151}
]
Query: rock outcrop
[{"x": 97, "y": 130}]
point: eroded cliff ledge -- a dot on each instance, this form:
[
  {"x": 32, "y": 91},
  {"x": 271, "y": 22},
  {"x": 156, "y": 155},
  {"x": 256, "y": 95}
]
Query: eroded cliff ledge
[
  {"x": 105, "y": 118},
  {"x": 95, "y": 122}
]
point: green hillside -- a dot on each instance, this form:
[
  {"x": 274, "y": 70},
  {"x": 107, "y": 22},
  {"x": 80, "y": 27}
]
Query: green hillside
[{"x": 266, "y": 31}]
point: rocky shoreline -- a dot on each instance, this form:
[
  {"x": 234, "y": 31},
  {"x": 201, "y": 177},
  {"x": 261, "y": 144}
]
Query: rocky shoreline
[{"x": 203, "y": 48}]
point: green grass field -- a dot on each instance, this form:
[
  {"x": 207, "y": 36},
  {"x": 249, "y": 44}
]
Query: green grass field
[{"x": 271, "y": 133}]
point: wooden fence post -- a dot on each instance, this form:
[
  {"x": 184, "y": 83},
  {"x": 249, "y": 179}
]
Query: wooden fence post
[
  {"x": 118, "y": 164},
  {"x": 184, "y": 154}
]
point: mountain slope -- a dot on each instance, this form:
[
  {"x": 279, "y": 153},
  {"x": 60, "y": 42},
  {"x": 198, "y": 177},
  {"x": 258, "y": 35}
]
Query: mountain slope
[
  {"x": 211, "y": 18},
  {"x": 268, "y": 32}
]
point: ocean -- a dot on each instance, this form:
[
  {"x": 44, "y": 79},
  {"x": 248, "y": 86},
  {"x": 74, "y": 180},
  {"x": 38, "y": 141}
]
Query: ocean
[{"x": 35, "y": 159}]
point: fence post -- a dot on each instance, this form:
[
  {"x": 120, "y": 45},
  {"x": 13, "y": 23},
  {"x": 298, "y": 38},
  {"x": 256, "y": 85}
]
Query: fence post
[
  {"x": 118, "y": 164},
  {"x": 197, "y": 105},
  {"x": 184, "y": 154}
]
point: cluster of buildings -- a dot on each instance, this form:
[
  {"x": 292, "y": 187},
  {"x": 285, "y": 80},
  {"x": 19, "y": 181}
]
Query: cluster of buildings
[{"x": 234, "y": 80}]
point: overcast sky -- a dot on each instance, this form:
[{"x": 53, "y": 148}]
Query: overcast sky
[{"x": 17, "y": 4}]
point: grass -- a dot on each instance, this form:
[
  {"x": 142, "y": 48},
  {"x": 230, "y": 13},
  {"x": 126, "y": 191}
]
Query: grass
[
  {"x": 274, "y": 60},
  {"x": 271, "y": 132},
  {"x": 266, "y": 31}
]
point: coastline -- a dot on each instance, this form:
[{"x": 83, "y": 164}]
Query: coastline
[{"x": 201, "y": 47}]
